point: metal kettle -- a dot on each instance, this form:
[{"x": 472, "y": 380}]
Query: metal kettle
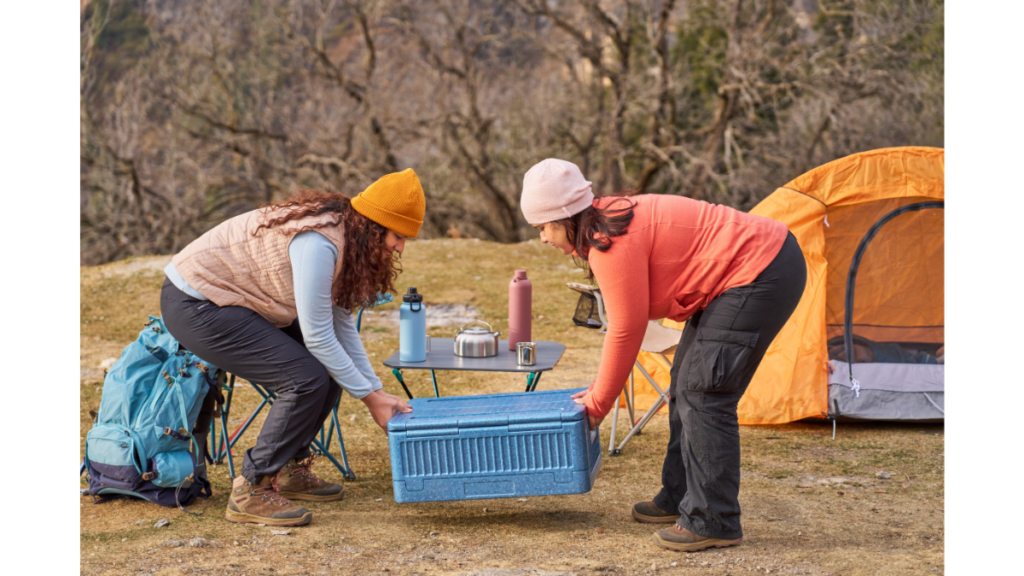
[{"x": 476, "y": 342}]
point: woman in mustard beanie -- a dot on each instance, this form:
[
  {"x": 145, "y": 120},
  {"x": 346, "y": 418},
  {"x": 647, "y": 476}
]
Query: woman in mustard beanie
[{"x": 268, "y": 295}]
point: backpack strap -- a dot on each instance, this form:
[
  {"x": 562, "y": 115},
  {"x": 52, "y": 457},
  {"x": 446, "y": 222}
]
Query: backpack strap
[
  {"x": 176, "y": 434},
  {"x": 206, "y": 492},
  {"x": 184, "y": 418}
]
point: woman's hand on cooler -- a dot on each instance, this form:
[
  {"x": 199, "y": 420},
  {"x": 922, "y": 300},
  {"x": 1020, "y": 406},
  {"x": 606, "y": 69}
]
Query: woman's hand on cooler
[
  {"x": 384, "y": 407},
  {"x": 581, "y": 398}
]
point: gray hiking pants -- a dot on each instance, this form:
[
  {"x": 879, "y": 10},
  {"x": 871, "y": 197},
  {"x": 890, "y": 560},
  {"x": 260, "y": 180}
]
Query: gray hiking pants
[
  {"x": 247, "y": 345},
  {"x": 718, "y": 353}
]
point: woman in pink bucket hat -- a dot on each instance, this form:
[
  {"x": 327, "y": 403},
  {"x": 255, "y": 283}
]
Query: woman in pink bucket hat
[{"x": 733, "y": 277}]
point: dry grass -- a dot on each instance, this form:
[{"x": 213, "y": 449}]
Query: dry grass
[{"x": 811, "y": 505}]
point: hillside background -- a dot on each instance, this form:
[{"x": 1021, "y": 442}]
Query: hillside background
[{"x": 192, "y": 112}]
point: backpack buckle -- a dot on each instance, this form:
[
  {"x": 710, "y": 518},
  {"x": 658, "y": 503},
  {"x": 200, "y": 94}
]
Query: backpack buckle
[
  {"x": 148, "y": 476},
  {"x": 167, "y": 431},
  {"x": 183, "y": 373},
  {"x": 183, "y": 431}
]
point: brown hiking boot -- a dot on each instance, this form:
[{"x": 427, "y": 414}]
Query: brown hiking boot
[
  {"x": 650, "y": 513},
  {"x": 679, "y": 538},
  {"x": 261, "y": 503},
  {"x": 297, "y": 482}
]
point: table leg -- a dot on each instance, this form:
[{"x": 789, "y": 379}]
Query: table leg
[
  {"x": 398, "y": 375},
  {"x": 532, "y": 386},
  {"x": 433, "y": 378}
]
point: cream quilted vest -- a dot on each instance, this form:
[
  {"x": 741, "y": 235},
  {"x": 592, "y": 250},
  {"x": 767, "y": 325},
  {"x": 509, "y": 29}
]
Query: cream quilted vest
[{"x": 233, "y": 267}]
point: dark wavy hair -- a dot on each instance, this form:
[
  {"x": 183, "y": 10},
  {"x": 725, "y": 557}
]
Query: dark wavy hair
[
  {"x": 582, "y": 229},
  {"x": 368, "y": 269}
]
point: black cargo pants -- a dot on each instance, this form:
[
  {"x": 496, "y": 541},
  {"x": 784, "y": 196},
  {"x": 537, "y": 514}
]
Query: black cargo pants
[
  {"x": 246, "y": 344},
  {"x": 719, "y": 351}
]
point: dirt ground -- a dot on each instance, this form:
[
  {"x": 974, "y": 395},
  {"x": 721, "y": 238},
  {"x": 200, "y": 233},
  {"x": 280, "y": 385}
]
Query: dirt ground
[{"x": 811, "y": 505}]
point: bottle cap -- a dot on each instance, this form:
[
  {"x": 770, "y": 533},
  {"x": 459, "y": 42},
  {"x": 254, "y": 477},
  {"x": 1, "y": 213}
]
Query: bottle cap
[
  {"x": 520, "y": 274},
  {"x": 412, "y": 296}
]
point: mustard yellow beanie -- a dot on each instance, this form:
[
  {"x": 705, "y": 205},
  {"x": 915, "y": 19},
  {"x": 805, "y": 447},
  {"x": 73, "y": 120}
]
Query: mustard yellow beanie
[{"x": 395, "y": 201}]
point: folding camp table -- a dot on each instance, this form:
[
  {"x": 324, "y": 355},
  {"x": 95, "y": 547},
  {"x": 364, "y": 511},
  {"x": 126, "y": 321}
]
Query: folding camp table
[
  {"x": 221, "y": 450},
  {"x": 442, "y": 357}
]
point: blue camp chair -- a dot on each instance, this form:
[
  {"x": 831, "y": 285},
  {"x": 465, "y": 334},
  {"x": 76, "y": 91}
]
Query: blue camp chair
[{"x": 221, "y": 450}]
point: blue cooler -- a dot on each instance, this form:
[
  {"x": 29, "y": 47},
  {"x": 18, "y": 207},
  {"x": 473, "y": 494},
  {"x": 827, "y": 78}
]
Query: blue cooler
[{"x": 493, "y": 446}]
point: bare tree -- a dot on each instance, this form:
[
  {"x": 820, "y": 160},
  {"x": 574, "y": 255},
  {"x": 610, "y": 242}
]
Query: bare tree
[{"x": 193, "y": 112}]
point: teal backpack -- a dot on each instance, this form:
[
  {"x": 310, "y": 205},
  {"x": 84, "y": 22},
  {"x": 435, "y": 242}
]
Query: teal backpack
[{"x": 142, "y": 444}]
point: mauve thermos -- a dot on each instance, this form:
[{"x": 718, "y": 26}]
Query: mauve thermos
[{"x": 520, "y": 308}]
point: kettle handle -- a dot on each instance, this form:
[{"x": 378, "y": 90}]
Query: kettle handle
[{"x": 475, "y": 322}]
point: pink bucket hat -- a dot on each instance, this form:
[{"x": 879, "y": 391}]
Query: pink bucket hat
[{"x": 554, "y": 189}]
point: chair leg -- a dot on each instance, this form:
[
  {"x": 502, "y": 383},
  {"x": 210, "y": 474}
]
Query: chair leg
[
  {"x": 615, "y": 423},
  {"x": 212, "y": 440},
  {"x": 347, "y": 470},
  {"x": 218, "y": 457},
  {"x": 630, "y": 399},
  {"x": 335, "y": 424},
  {"x": 227, "y": 442},
  {"x": 433, "y": 378},
  {"x": 330, "y": 428},
  {"x": 639, "y": 426},
  {"x": 323, "y": 450},
  {"x": 269, "y": 396},
  {"x": 643, "y": 422},
  {"x": 227, "y": 451}
]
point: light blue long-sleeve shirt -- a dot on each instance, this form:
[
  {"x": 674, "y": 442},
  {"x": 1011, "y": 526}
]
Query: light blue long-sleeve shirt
[{"x": 328, "y": 331}]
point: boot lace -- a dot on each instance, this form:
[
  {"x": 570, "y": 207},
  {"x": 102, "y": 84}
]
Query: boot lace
[
  {"x": 271, "y": 492},
  {"x": 305, "y": 469}
]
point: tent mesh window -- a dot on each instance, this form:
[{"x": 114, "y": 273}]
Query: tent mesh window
[
  {"x": 894, "y": 292},
  {"x": 586, "y": 312}
]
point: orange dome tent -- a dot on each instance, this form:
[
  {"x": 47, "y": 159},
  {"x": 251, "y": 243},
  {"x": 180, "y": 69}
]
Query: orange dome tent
[{"x": 879, "y": 214}]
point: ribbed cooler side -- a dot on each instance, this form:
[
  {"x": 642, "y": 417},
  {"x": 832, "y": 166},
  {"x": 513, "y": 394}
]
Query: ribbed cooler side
[{"x": 446, "y": 457}]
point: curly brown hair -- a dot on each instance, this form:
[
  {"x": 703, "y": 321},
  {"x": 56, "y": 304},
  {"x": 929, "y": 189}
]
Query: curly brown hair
[{"x": 368, "y": 268}]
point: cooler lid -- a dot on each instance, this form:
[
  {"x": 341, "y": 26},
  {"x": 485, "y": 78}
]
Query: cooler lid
[{"x": 489, "y": 410}]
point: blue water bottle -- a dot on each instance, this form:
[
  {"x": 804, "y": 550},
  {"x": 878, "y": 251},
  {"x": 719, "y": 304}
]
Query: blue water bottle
[{"x": 412, "y": 328}]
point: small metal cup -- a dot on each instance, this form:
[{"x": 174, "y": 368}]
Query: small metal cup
[{"x": 526, "y": 353}]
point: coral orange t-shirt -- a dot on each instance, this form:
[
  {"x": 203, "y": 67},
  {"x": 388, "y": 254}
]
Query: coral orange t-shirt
[{"x": 676, "y": 256}]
